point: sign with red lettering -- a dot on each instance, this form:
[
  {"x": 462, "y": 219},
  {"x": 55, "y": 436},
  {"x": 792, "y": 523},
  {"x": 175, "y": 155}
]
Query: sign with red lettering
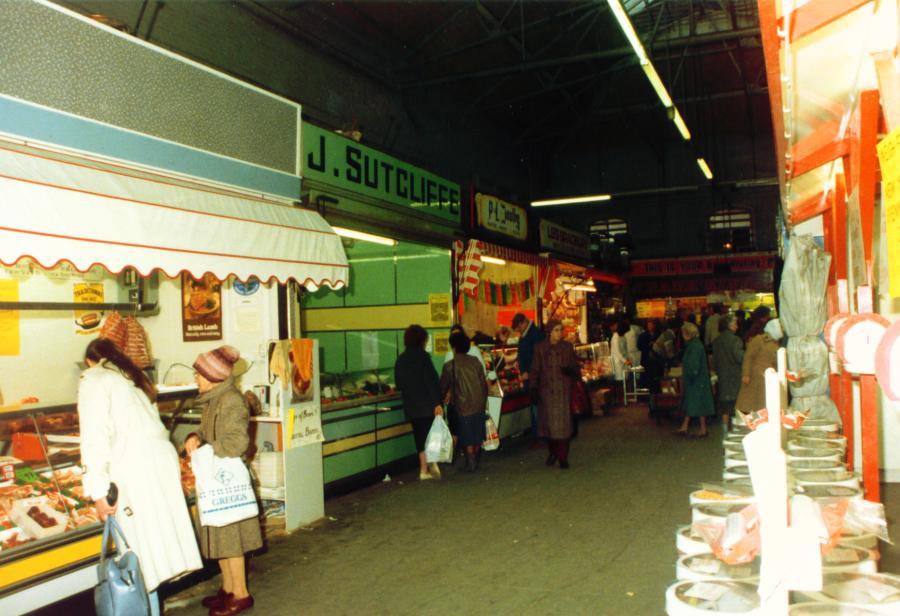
[{"x": 703, "y": 265}]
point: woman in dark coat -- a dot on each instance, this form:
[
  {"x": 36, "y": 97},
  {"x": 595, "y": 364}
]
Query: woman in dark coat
[
  {"x": 463, "y": 384},
  {"x": 727, "y": 356},
  {"x": 417, "y": 380},
  {"x": 553, "y": 370},
  {"x": 223, "y": 425},
  {"x": 697, "y": 400}
]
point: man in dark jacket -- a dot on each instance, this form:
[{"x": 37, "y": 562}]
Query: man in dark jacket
[{"x": 529, "y": 335}]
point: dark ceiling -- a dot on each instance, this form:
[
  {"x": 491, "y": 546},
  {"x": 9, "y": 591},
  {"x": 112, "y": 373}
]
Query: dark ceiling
[{"x": 551, "y": 74}]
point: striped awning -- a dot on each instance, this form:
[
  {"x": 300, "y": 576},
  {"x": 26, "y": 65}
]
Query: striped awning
[
  {"x": 58, "y": 207},
  {"x": 510, "y": 254}
]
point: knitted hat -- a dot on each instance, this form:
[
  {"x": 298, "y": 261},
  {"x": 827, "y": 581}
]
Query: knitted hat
[
  {"x": 216, "y": 365},
  {"x": 774, "y": 329}
]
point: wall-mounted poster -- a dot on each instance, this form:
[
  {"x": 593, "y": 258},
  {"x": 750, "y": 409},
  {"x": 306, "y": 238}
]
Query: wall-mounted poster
[
  {"x": 439, "y": 309},
  {"x": 9, "y": 319},
  {"x": 87, "y": 321},
  {"x": 201, "y": 314}
]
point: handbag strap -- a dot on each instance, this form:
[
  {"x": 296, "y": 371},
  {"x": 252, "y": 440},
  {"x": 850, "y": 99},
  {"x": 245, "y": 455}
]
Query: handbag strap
[{"x": 111, "y": 527}]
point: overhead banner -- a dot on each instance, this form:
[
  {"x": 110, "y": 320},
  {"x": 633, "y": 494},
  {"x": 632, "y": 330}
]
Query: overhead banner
[
  {"x": 500, "y": 216},
  {"x": 333, "y": 160},
  {"x": 557, "y": 238},
  {"x": 703, "y": 265}
]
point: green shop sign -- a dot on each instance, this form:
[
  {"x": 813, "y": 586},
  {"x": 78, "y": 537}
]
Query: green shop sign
[{"x": 339, "y": 162}]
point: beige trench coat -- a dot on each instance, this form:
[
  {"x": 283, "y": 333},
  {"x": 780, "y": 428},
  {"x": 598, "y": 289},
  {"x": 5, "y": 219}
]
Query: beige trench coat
[{"x": 760, "y": 354}]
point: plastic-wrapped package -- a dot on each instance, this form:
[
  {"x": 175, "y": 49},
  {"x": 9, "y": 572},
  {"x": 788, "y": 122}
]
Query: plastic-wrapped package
[
  {"x": 802, "y": 309},
  {"x": 819, "y": 407},
  {"x": 808, "y": 357}
]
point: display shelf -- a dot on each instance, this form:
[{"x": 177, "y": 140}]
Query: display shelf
[{"x": 276, "y": 494}]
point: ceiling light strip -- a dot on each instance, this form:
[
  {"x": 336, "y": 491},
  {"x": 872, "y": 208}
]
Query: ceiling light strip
[
  {"x": 704, "y": 168},
  {"x": 655, "y": 81},
  {"x": 571, "y": 200},
  {"x": 365, "y": 237}
]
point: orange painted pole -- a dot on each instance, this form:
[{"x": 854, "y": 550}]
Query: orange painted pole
[{"x": 868, "y": 427}]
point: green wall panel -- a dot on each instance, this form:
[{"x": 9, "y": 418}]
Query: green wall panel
[
  {"x": 396, "y": 448},
  {"x": 372, "y": 275},
  {"x": 391, "y": 418},
  {"x": 348, "y": 463},
  {"x": 348, "y": 428},
  {"x": 332, "y": 357},
  {"x": 421, "y": 270},
  {"x": 324, "y": 298},
  {"x": 387, "y": 351}
]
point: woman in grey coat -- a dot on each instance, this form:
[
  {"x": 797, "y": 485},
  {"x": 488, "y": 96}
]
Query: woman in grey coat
[{"x": 727, "y": 356}]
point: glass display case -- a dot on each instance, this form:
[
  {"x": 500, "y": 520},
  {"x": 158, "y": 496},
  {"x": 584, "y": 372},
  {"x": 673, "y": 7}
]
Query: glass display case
[
  {"x": 45, "y": 518},
  {"x": 504, "y": 362},
  {"x": 595, "y": 361}
]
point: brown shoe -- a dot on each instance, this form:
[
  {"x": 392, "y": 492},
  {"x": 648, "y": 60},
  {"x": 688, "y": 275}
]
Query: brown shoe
[
  {"x": 232, "y": 606},
  {"x": 217, "y": 600}
]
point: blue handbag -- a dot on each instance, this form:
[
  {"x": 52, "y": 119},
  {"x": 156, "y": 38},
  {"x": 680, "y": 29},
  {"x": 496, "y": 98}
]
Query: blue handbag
[{"x": 121, "y": 591}]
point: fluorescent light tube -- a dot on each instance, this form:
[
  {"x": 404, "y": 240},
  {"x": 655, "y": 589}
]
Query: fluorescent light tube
[
  {"x": 571, "y": 200},
  {"x": 365, "y": 237},
  {"x": 583, "y": 287},
  {"x": 682, "y": 127},
  {"x": 628, "y": 30},
  {"x": 657, "y": 84},
  {"x": 494, "y": 260},
  {"x": 704, "y": 168}
]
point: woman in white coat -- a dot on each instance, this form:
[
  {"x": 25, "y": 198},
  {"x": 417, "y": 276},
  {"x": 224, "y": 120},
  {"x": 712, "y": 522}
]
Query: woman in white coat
[
  {"x": 618, "y": 350},
  {"x": 124, "y": 442}
]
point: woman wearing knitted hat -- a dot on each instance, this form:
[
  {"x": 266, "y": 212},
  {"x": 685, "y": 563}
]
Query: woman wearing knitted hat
[{"x": 224, "y": 426}]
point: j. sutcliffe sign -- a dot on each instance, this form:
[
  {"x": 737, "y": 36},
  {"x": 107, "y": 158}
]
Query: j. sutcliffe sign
[
  {"x": 340, "y": 162},
  {"x": 501, "y": 217},
  {"x": 557, "y": 238},
  {"x": 702, "y": 265}
]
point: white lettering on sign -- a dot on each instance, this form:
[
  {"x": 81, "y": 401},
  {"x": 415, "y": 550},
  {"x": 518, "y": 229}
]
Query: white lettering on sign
[{"x": 560, "y": 239}]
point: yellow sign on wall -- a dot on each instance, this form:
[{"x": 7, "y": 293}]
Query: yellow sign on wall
[
  {"x": 9, "y": 319},
  {"x": 889, "y": 156},
  {"x": 439, "y": 313}
]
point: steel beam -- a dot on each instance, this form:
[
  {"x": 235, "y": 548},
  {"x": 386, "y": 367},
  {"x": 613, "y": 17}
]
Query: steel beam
[
  {"x": 522, "y": 67},
  {"x": 822, "y": 146}
]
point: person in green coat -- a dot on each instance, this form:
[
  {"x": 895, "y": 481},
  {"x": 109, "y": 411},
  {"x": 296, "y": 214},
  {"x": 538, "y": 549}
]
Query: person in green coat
[{"x": 697, "y": 399}]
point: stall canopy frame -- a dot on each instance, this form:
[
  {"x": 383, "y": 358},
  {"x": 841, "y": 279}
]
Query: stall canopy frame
[{"x": 60, "y": 207}]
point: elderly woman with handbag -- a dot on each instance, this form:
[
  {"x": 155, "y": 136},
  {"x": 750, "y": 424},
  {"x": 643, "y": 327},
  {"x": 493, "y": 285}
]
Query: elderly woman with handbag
[
  {"x": 124, "y": 443},
  {"x": 464, "y": 386},
  {"x": 697, "y": 398},
  {"x": 223, "y": 425},
  {"x": 553, "y": 371}
]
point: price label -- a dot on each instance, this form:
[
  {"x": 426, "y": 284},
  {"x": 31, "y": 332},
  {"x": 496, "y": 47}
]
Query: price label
[{"x": 7, "y": 472}]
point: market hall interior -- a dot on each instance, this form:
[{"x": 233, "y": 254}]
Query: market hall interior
[{"x": 270, "y": 193}]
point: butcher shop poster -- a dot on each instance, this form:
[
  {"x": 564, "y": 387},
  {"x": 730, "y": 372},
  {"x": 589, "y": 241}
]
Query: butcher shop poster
[
  {"x": 201, "y": 314},
  {"x": 87, "y": 321},
  {"x": 9, "y": 319}
]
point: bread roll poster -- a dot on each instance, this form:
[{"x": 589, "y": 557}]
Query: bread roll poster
[
  {"x": 87, "y": 321},
  {"x": 201, "y": 313}
]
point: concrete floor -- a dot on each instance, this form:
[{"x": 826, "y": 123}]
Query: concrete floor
[{"x": 514, "y": 538}]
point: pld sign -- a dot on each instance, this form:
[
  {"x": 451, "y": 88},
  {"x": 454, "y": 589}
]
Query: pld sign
[
  {"x": 340, "y": 162},
  {"x": 557, "y": 238},
  {"x": 501, "y": 217}
]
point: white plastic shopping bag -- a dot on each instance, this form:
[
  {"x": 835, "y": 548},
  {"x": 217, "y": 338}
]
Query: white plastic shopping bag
[
  {"x": 439, "y": 443},
  {"x": 224, "y": 490},
  {"x": 492, "y": 437}
]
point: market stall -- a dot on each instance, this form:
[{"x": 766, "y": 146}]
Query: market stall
[
  {"x": 496, "y": 283},
  {"x": 404, "y": 274},
  {"x": 85, "y": 242}
]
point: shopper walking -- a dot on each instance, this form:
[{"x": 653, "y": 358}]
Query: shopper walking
[
  {"x": 417, "y": 381},
  {"x": 618, "y": 350},
  {"x": 529, "y": 336},
  {"x": 553, "y": 372},
  {"x": 758, "y": 319},
  {"x": 697, "y": 400},
  {"x": 761, "y": 354},
  {"x": 727, "y": 358},
  {"x": 464, "y": 386},
  {"x": 223, "y": 425},
  {"x": 124, "y": 442}
]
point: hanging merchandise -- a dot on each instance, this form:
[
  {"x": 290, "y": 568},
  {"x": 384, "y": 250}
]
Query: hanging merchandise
[
  {"x": 129, "y": 336},
  {"x": 468, "y": 266},
  {"x": 803, "y": 314}
]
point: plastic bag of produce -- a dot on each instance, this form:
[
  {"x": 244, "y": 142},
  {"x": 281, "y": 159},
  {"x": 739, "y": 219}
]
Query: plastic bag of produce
[
  {"x": 439, "y": 443},
  {"x": 492, "y": 439}
]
